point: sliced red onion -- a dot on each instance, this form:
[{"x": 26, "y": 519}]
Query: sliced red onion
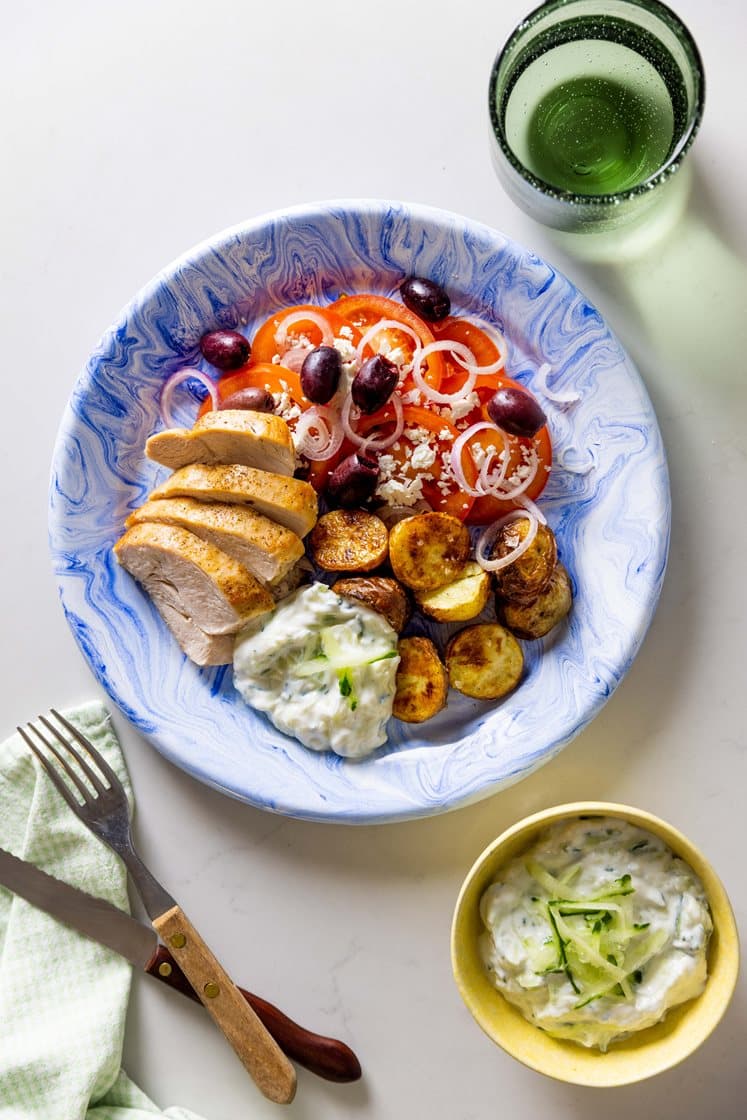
[
  {"x": 488, "y": 537},
  {"x": 329, "y": 433},
  {"x": 498, "y": 341},
  {"x": 385, "y": 325},
  {"x": 457, "y": 349},
  {"x": 531, "y": 507},
  {"x": 366, "y": 441},
  {"x": 456, "y": 456},
  {"x": 173, "y": 382},
  {"x": 551, "y": 395},
  {"x": 512, "y": 495},
  {"x": 281, "y": 332},
  {"x": 295, "y": 357},
  {"x": 581, "y": 468}
]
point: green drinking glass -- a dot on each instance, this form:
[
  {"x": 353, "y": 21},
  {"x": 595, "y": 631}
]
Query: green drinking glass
[{"x": 593, "y": 106}]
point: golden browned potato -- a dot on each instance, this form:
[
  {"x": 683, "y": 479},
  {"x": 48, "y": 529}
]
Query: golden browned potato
[
  {"x": 527, "y": 577},
  {"x": 348, "y": 540},
  {"x": 459, "y": 600},
  {"x": 380, "y": 594},
  {"x": 535, "y": 619},
  {"x": 428, "y": 550},
  {"x": 484, "y": 661},
  {"x": 422, "y": 681}
]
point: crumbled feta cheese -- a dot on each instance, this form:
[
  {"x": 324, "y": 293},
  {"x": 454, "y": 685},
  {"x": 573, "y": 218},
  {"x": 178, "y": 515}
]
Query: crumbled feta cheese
[
  {"x": 462, "y": 408},
  {"x": 417, "y": 435},
  {"x": 401, "y": 493},
  {"x": 346, "y": 332},
  {"x": 423, "y": 457}
]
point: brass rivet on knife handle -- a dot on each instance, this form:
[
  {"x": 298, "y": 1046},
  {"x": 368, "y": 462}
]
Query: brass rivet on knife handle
[{"x": 254, "y": 1045}]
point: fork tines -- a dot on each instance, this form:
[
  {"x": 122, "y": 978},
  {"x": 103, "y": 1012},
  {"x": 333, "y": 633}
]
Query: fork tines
[{"x": 48, "y": 741}]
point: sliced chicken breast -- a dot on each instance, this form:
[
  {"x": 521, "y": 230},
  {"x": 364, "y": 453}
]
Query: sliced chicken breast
[
  {"x": 202, "y": 584},
  {"x": 202, "y": 648},
  {"x": 268, "y": 550},
  {"x": 256, "y": 439},
  {"x": 289, "y": 501}
]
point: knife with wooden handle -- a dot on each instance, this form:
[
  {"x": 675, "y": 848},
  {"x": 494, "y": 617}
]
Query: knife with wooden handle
[
  {"x": 255, "y": 1047},
  {"x": 93, "y": 917}
]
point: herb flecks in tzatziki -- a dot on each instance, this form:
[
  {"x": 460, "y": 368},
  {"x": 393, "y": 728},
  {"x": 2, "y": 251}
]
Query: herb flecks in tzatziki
[
  {"x": 323, "y": 668},
  {"x": 596, "y": 931}
]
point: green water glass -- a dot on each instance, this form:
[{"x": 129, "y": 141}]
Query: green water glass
[{"x": 593, "y": 107}]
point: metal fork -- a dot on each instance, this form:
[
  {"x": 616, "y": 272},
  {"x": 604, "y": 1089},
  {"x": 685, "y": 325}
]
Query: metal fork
[{"x": 104, "y": 810}]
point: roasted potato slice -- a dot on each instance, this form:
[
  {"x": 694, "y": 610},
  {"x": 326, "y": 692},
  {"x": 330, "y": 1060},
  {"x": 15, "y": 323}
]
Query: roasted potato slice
[
  {"x": 428, "y": 550},
  {"x": 459, "y": 600},
  {"x": 484, "y": 661},
  {"x": 535, "y": 619},
  {"x": 422, "y": 681},
  {"x": 348, "y": 540},
  {"x": 527, "y": 577},
  {"x": 380, "y": 594}
]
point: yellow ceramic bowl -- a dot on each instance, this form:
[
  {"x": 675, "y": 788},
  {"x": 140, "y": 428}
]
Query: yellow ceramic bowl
[{"x": 649, "y": 1051}]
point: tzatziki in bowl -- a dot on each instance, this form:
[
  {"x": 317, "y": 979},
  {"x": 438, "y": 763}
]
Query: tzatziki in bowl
[{"x": 595, "y": 943}]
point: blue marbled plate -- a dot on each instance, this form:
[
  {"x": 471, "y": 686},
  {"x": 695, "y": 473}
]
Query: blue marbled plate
[{"x": 612, "y": 523}]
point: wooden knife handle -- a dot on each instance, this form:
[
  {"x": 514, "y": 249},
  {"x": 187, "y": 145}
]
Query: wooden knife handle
[
  {"x": 326, "y": 1057},
  {"x": 256, "y": 1048}
]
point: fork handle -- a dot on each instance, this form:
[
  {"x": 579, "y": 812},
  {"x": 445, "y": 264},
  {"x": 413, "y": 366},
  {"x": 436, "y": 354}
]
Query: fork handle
[
  {"x": 326, "y": 1057},
  {"x": 252, "y": 1042}
]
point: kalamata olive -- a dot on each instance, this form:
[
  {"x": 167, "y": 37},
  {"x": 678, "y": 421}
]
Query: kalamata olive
[
  {"x": 352, "y": 482},
  {"x": 374, "y": 383},
  {"x": 225, "y": 349},
  {"x": 426, "y": 298},
  {"x": 254, "y": 398},
  {"x": 320, "y": 374},
  {"x": 516, "y": 412}
]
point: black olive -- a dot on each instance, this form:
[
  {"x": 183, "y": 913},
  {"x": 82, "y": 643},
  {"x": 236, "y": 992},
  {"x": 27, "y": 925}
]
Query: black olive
[
  {"x": 374, "y": 383},
  {"x": 426, "y": 298},
  {"x": 320, "y": 374},
  {"x": 225, "y": 349},
  {"x": 352, "y": 482},
  {"x": 516, "y": 412},
  {"x": 256, "y": 399}
]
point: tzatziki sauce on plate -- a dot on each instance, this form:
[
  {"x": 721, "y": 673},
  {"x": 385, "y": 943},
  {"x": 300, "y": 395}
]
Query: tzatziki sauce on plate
[
  {"x": 596, "y": 931},
  {"x": 323, "y": 669}
]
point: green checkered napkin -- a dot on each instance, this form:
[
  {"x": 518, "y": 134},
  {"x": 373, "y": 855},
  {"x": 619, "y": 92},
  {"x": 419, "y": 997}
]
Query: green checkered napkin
[{"x": 63, "y": 998}]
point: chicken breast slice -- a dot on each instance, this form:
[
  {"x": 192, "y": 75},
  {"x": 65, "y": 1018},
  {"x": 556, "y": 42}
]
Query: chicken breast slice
[
  {"x": 268, "y": 550},
  {"x": 289, "y": 501},
  {"x": 202, "y": 648},
  {"x": 197, "y": 580},
  {"x": 256, "y": 439}
]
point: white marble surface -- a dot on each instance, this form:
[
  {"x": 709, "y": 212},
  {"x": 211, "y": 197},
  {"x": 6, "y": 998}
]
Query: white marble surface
[{"x": 130, "y": 132}]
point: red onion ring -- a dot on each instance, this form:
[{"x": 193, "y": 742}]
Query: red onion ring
[
  {"x": 557, "y": 398},
  {"x": 294, "y": 358},
  {"x": 488, "y": 537},
  {"x": 385, "y": 325},
  {"x": 323, "y": 446},
  {"x": 498, "y": 341},
  {"x": 366, "y": 441},
  {"x": 455, "y": 348},
  {"x": 178, "y": 378},
  {"x": 531, "y": 507},
  {"x": 456, "y": 457},
  {"x": 281, "y": 331},
  {"x": 512, "y": 495}
]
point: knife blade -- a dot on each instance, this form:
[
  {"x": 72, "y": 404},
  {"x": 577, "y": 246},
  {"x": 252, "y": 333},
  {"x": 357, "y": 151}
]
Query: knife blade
[{"x": 102, "y": 922}]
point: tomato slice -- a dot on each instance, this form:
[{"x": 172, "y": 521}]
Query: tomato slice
[
  {"x": 470, "y": 335},
  {"x": 440, "y": 489},
  {"x": 264, "y": 346},
  {"x": 260, "y": 375},
  {"x": 363, "y": 311},
  {"x": 487, "y": 508}
]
